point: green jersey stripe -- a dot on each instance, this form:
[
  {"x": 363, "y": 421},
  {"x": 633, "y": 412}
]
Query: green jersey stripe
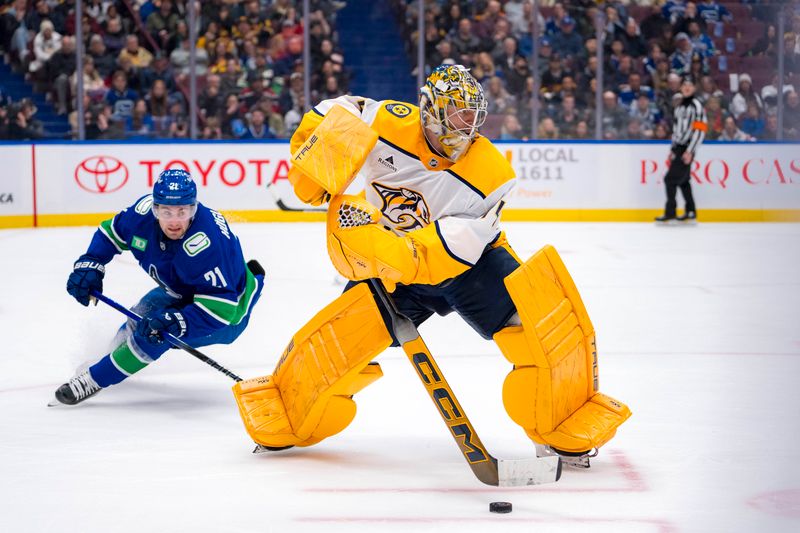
[
  {"x": 107, "y": 227},
  {"x": 226, "y": 311},
  {"x": 126, "y": 360}
]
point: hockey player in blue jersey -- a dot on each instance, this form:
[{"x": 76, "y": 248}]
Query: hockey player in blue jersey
[{"x": 205, "y": 294}]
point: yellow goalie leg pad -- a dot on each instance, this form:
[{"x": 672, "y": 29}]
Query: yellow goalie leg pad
[
  {"x": 329, "y": 159},
  {"x": 553, "y": 390},
  {"x": 309, "y": 395}
]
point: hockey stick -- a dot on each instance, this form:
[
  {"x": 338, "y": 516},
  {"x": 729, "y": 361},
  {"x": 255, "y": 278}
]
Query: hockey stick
[
  {"x": 283, "y": 207},
  {"x": 496, "y": 472},
  {"x": 175, "y": 341}
]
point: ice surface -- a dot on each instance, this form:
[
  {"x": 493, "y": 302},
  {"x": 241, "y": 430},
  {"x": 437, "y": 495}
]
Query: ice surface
[{"x": 697, "y": 328}]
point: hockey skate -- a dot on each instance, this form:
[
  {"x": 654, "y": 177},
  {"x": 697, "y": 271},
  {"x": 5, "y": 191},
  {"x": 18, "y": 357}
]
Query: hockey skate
[
  {"x": 76, "y": 390},
  {"x": 689, "y": 218},
  {"x": 575, "y": 460},
  {"x": 666, "y": 220}
]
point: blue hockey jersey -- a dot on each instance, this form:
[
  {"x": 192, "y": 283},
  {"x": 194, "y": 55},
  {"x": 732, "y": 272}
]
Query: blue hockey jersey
[{"x": 204, "y": 271}]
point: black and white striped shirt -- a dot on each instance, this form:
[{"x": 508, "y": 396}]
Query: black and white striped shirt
[{"x": 690, "y": 125}]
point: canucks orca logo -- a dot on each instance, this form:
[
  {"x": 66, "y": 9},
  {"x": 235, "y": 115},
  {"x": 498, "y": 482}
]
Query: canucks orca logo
[{"x": 405, "y": 208}]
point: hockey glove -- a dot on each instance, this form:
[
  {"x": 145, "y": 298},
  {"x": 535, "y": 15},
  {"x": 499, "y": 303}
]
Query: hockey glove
[
  {"x": 87, "y": 276},
  {"x": 168, "y": 320}
]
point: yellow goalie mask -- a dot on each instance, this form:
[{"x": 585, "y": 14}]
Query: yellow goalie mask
[{"x": 452, "y": 108}]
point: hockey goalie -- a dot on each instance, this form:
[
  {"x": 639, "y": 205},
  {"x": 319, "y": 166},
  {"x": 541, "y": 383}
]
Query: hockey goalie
[{"x": 427, "y": 226}]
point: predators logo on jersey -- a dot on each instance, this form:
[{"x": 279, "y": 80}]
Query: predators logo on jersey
[{"x": 404, "y": 208}]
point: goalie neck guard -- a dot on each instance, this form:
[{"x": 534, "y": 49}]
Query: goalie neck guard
[{"x": 452, "y": 108}]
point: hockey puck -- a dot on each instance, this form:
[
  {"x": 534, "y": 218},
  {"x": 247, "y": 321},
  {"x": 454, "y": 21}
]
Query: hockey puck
[{"x": 500, "y": 507}]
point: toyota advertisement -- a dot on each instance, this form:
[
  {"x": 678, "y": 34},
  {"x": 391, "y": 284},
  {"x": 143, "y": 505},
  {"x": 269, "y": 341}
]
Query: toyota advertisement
[{"x": 66, "y": 184}]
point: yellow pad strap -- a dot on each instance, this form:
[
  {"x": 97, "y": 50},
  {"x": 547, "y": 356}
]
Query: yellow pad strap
[
  {"x": 552, "y": 389},
  {"x": 332, "y": 155}
]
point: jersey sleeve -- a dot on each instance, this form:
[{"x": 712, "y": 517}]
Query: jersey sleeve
[{"x": 113, "y": 235}]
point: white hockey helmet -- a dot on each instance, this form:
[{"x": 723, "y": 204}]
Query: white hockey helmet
[{"x": 452, "y": 107}]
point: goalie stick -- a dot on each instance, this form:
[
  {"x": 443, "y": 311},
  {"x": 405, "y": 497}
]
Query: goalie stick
[
  {"x": 175, "y": 341},
  {"x": 284, "y": 207},
  {"x": 488, "y": 469}
]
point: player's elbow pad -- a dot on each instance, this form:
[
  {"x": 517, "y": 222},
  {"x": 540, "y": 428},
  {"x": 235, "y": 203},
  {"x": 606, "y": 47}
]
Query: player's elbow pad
[{"x": 361, "y": 249}]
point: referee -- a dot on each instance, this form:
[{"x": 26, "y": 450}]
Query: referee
[{"x": 688, "y": 132}]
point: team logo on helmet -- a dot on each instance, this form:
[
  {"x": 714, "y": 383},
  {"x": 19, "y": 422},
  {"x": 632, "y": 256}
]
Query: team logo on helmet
[{"x": 406, "y": 209}]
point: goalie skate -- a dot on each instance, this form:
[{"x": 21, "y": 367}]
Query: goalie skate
[{"x": 575, "y": 460}]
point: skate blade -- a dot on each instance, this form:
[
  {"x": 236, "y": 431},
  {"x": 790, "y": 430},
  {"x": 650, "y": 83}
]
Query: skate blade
[{"x": 54, "y": 403}]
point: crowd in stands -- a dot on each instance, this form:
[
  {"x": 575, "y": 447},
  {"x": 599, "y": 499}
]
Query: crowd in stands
[
  {"x": 729, "y": 48},
  {"x": 136, "y": 66}
]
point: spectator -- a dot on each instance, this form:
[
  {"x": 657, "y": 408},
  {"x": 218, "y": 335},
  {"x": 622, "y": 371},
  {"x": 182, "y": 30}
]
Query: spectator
[
  {"x": 633, "y": 43},
  {"x": 681, "y": 60},
  {"x": 630, "y": 91},
  {"x": 506, "y": 56},
  {"x": 232, "y": 123},
  {"x": 120, "y": 97},
  {"x": 567, "y": 43},
  {"x": 547, "y": 129},
  {"x": 139, "y": 125},
  {"x": 293, "y": 117},
  {"x": 653, "y": 25},
  {"x": 568, "y": 117},
  {"x": 708, "y": 88},
  {"x": 93, "y": 84},
  {"x": 103, "y": 61},
  {"x": 644, "y": 110},
  {"x": 712, "y": 12},
  {"x": 464, "y": 42},
  {"x": 59, "y": 69},
  {"x": 179, "y": 59},
  {"x": 210, "y": 100},
  {"x": 211, "y": 130},
  {"x": 635, "y": 132},
  {"x": 771, "y": 128},
  {"x": 716, "y": 117},
  {"x": 114, "y": 37},
  {"x": 791, "y": 117},
  {"x": 159, "y": 69},
  {"x": 21, "y": 124},
  {"x": 614, "y": 118},
  {"x": 766, "y": 45},
  {"x": 511, "y": 130},
  {"x": 582, "y": 130},
  {"x": 515, "y": 78},
  {"x": 497, "y": 97},
  {"x": 701, "y": 43},
  {"x": 661, "y": 133},
  {"x": 46, "y": 43},
  {"x": 744, "y": 96},
  {"x": 689, "y": 15},
  {"x": 769, "y": 93},
  {"x": 752, "y": 120},
  {"x": 162, "y": 23},
  {"x": 137, "y": 55},
  {"x": 257, "y": 127},
  {"x": 732, "y": 133},
  {"x": 158, "y": 103}
]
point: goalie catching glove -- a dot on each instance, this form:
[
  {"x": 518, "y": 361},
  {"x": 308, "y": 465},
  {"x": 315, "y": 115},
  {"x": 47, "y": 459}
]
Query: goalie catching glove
[{"x": 361, "y": 249}]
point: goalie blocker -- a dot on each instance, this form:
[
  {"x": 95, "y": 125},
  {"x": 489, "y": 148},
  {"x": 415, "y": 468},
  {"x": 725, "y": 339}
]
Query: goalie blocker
[{"x": 551, "y": 392}]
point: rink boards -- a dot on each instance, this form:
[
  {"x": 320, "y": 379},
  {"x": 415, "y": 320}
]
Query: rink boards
[{"x": 70, "y": 183}]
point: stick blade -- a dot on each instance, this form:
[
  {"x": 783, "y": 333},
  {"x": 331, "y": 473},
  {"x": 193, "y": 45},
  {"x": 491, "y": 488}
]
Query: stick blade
[{"x": 522, "y": 472}]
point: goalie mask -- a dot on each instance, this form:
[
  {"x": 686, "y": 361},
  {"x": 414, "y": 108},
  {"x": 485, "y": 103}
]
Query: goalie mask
[{"x": 452, "y": 108}]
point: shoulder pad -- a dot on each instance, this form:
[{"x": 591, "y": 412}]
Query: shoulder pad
[{"x": 484, "y": 167}]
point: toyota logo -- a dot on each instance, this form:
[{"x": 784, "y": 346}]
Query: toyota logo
[{"x": 101, "y": 174}]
